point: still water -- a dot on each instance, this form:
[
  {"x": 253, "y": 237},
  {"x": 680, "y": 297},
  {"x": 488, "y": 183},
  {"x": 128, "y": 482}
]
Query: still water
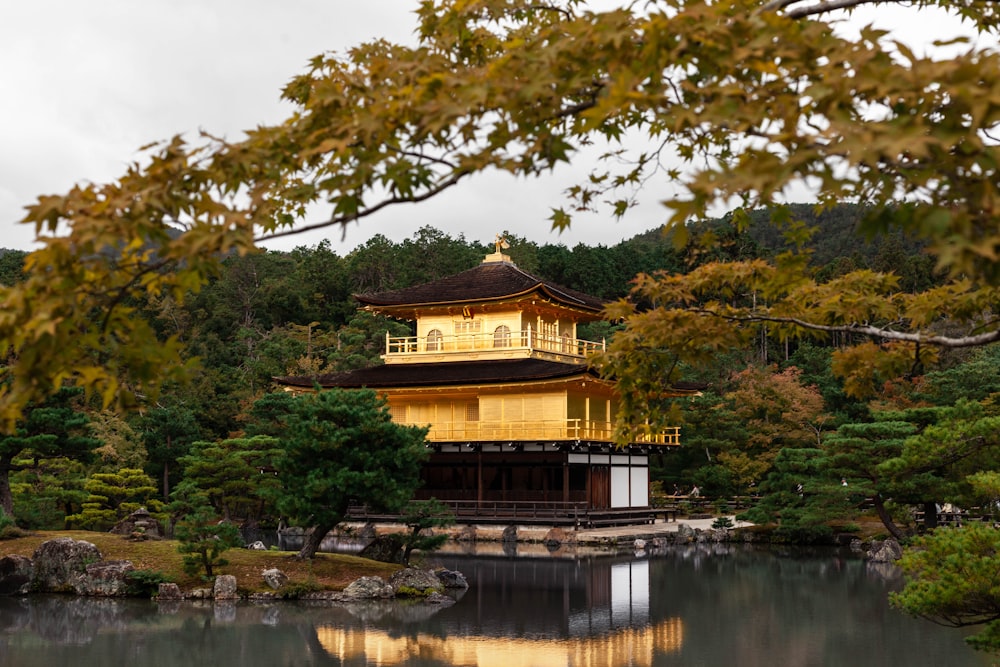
[{"x": 698, "y": 605}]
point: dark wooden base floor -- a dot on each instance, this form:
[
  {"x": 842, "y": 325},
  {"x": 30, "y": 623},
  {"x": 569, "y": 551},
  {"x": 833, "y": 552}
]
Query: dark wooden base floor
[{"x": 575, "y": 515}]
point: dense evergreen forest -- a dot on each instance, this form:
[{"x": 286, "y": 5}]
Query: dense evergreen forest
[{"x": 277, "y": 313}]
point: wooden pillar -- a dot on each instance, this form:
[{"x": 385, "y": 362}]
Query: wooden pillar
[
  {"x": 479, "y": 477},
  {"x": 629, "y": 468},
  {"x": 565, "y": 483}
]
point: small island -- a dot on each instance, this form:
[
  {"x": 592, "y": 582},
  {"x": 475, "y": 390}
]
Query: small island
[{"x": 111, "y": 565}]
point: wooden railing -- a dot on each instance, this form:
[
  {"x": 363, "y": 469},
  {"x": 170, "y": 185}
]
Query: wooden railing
[
  {"x": 687, "y": 505},
  {"x": 521, "y": 512},
  {"x": 556, "y": 429},
  {"x": 490, "y": 340},
  {"x": 670, "y": 435}
]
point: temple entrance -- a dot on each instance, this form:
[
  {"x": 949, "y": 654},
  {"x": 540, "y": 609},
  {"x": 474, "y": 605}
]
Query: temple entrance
[
  {"x": 599, "y": 493},
  {"x": 523, "y": 477},
  {"x": 504, "y": 477}
]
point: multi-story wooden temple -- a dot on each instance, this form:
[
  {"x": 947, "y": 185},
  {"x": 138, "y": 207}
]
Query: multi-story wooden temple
[{"x": 520, "y": 427}]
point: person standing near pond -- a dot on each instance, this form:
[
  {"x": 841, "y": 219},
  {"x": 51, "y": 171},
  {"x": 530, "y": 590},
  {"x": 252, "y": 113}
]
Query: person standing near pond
[{"x": 695, "y": 491}]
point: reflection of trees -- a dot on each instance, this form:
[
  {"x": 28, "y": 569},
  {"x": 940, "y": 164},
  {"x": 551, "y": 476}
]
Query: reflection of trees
[
  {"x": 702, "y": 603},
  {"x": 43, "y": 631},
  {"x": 785, "y": 607},
  {"x": 73, "y": 620},
  {"x": 392, "y": 611}
]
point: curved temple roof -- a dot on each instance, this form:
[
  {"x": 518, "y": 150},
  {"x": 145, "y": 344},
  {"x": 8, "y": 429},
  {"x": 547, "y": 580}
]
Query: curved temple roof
[
  {"x": 495, "y": 372},
  {"x": 490, "y": 281},
  {"x": 438, "y": 374}
]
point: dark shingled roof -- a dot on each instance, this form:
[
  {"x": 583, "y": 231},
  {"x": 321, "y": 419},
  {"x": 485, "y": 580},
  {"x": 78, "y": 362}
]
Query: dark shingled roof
[
  {"x": 490, "y": 281},
  {"x": 442, "y": 374}
]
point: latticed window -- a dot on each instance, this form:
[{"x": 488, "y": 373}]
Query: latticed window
[
  {"x": 434, "y": 337},
  {"x": 398, "y": 413},
  {"x": 472, "y": 412},
  {"x": 468, "y": 326},
  {"x": 501, "y": 336}
]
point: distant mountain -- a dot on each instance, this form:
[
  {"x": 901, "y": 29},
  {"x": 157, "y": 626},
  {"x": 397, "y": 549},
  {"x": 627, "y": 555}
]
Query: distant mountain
[{"x": 836, "y": 236}]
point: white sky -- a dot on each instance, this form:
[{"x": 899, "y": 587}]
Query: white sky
[{"x": 84, "y": 84}]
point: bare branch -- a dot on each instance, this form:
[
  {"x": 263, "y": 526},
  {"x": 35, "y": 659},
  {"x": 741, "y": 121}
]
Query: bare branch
[
  {"x": 776, "y": 5},
  {"x": 818, "y": 8},
  {"x": 567, "y": 14},
  {"x": 868, "y": 330},
  {"x": 458, "y": 174},
  {"x": 344, "y": 219},
  {"x": 422, "y": 156},
  {"x": 577, "y": 109}
]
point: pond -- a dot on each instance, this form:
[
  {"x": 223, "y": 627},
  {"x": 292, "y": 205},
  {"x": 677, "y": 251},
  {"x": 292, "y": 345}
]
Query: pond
[{"x": 695, "y": 605}]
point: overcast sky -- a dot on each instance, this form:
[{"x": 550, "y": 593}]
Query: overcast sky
[{"x": 84, "y": 84}]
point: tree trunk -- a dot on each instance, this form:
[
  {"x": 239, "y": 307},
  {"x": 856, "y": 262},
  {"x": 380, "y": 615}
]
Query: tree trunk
[
  {"x": 6, "y": 499},
  {"x": 313, "y": 539},
  {"x": 408, "y": 546},
  {"x": 930, "y": 515},
  {"x": 166, "y": 473},
  {"x": 887, "y": 521}
]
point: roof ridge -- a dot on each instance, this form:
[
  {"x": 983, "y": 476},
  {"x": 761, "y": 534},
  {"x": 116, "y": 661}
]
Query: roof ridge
[{"x": 485, "y": 282}]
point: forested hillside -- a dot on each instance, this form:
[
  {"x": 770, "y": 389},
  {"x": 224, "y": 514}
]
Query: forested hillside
[{"x": 277, "y": 313}]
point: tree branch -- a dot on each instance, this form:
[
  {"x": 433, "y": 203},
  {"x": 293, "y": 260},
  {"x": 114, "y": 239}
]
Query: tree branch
[
  {"x": 818, "y": 8},
  {"x": 344, "y": 219},
  {"x": 422, "y": 156},
  {"x": 868, "y": 330}
]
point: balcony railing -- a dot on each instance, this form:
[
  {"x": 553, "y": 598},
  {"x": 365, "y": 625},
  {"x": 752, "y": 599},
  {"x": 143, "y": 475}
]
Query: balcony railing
[
  {"x": 526, "y": 339},
  {"x": 549, "y": 513},
  {"x": 550, "y": 430}
]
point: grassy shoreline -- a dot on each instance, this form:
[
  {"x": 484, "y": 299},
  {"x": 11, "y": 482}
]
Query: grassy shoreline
[{"x": 331, "y": 572}]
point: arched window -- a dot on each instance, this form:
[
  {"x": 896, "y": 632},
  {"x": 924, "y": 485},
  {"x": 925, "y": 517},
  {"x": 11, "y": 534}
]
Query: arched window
[
  {"x": 434, "y": 340},
  {"x": 501, "y": 336}
]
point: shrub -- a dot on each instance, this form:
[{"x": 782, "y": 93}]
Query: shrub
[
  {"x": 815, "y": 534},
  {"x": 410, "y": 592},
  {"x": 425, "y": 515},
  {"x": 722, "y": 523},
  {"x": 203, "y": 540},
  {"x": 5, "y": 520},
  {"x": 115, "y": 495},
  {"x": 294, "y": 591},
  {"x": 145, "y": 583},
  {"x": 38, "y": 513}
]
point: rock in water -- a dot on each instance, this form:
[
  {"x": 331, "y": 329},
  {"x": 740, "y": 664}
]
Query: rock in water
[
  {"x": 888, "y": 551},
  {"x": 16, "y": 573},
  {"x": 105, "y": 579},
  {"x": 368, "y": 588},
  {"x": 411, "y": 580},
  {"x": 169, "y": 591},
  {"x": 225, "y": 587},
  {"x": 452, "y": 579},
  {"x": 61, "y": 563}
]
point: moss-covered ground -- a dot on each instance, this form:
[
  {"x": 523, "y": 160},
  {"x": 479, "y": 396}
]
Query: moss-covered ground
[{"x": 324, "y": 572}]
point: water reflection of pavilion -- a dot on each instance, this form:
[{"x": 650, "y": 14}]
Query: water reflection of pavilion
[
  {"x": 595, "y": 614},
  {"x": 624, "y": 647}
]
